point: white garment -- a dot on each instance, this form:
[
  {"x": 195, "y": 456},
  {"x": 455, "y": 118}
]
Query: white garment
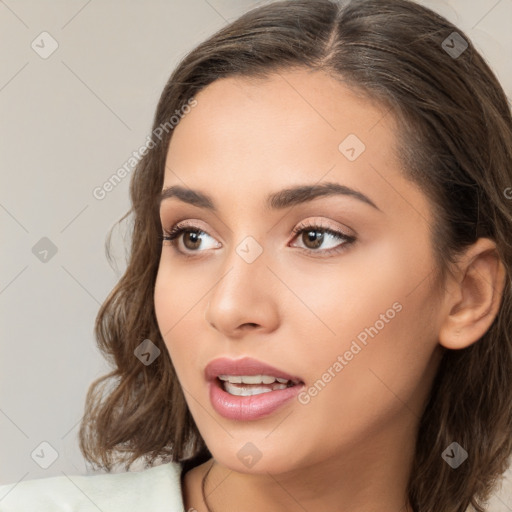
[{"x": 157, "y": 489}]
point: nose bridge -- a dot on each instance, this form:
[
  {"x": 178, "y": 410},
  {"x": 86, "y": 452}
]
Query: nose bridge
[
  {"x": 245, "y": 270},
  {"x": 244, "y": 292}
]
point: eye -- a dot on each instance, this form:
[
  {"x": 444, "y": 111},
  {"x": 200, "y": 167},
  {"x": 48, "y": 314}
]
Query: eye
[
  {"x": 193, "y": 238},
  {"x": 316, "y": 239},
  {"x": 319, "y": 239}
]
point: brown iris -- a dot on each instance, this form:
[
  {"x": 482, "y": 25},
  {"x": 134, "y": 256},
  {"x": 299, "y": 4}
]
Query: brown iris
[
  {"x": 314, "y": 237},
  {"x": 194, "y": 237}
]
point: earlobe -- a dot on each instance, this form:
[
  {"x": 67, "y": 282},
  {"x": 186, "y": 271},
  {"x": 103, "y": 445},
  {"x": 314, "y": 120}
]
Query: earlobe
[{"x": 478, "y": 284}]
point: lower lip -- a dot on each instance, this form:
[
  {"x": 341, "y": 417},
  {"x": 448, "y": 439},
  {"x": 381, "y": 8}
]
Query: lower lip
[{"x": 247, "y": 408}]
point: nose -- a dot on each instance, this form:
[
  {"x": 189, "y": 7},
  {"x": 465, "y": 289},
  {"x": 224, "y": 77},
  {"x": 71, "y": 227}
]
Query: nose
[{"x": 245, "y": 299}]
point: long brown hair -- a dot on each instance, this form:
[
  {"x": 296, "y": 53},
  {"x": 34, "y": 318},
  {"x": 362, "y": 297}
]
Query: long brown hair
[{"x": 455, "y": 141}]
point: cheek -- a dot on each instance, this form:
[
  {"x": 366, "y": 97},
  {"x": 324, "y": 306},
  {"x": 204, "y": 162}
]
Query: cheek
[
  {"x": 379, "y": 307},
  {"x": 380, "y": 363},
  {"x": 366, "y": 286},
  {"x": 174, "y": 298},
  {"x": 182, "y": 291},
  {"x": 179, "y": 289}
]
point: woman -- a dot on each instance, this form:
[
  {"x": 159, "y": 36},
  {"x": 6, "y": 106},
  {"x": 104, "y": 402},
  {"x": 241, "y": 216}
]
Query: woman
[{"x": 316, "y": 314}]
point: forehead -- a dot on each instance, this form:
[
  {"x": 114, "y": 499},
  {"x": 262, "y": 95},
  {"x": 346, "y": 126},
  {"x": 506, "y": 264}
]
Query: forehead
[
  {"x": 290, "y": 103},
  {"x": 248, "y": 136}
]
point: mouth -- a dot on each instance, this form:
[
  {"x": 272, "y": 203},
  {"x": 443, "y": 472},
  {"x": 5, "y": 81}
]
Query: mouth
[
  {"x": 247, "y": 389},
  {"x": 250, "y": 385}
]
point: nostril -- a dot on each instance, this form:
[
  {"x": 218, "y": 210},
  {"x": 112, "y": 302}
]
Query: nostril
[{"x": 248, "y": 325}]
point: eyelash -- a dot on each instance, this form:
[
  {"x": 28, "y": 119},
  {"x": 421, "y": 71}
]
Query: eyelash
[{"x": 177, "y": 230}]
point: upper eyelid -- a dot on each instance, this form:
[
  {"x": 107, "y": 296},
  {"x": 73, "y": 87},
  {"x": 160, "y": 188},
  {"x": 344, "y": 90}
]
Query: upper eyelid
[
  {"x": 185, "y": 225},
  {"x": 309, "y": 221},
  {"x": 191, "y": 224}
]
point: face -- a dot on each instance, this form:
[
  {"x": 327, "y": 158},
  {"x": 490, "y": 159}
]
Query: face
[{"x": 334, "y": 288}]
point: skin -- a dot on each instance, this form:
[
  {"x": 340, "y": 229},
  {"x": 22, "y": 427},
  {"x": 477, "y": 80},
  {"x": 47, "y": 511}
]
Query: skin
[{"x": 351, "y": 447}]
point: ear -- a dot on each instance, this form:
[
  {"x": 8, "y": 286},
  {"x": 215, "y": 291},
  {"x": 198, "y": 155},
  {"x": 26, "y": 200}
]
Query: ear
[{"x": 473, "y": 295}]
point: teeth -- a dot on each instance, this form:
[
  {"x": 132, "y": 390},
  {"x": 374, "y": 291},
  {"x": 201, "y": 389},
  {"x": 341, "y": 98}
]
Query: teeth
[
  {"x": 231, "y": 378},
  {"x": 251, "y": 379},
  {"x": 233, "y": 389}
]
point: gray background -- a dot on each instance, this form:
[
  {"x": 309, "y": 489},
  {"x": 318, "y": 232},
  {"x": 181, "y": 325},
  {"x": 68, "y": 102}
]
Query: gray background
[{"x": 68, "y": 122}]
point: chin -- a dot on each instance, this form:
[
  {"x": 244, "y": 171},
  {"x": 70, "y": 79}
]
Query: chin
[{"x": 256, "y": 459}]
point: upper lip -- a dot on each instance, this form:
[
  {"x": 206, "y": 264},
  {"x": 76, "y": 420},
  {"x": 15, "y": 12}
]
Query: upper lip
[{"x": 244, "y": 366}]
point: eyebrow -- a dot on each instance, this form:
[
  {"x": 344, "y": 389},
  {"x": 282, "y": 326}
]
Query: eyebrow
[{"x": 274, "y": 201}]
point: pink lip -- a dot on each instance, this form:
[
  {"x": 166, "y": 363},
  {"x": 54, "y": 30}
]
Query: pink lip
[{"x": 247, "y": 408}]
